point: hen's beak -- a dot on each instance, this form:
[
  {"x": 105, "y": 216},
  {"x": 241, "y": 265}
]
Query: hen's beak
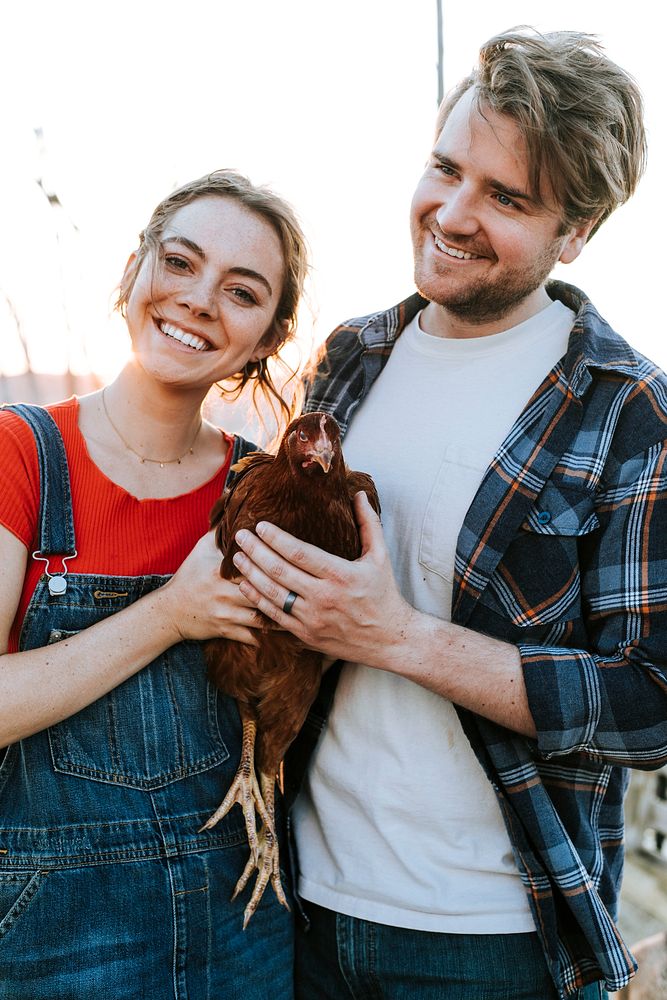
[{"x": 322, "y": 453}]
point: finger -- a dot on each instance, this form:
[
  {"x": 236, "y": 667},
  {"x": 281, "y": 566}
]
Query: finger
[
  {"x": 263, "y": 585},
  {"x": 209, "y": 546},
  {"x": 250, "y": 618},
  {"x": 244, "y": 635},
  {"x": 260, "y": 562},
  {"x": 287, "y": 623},
  {"x": 307, "y": 557},
  {"x": 370, "y": 526},
  {"x": 233, "y": 593}
]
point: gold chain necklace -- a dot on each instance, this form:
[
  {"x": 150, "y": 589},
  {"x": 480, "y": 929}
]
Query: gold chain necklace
[{"x": 142, "y": 458}]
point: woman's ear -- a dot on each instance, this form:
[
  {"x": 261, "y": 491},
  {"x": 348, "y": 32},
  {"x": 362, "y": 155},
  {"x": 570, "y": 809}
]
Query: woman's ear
[
  {"x": 130, "y": 272},
  {"x": 271, "y": 341}
]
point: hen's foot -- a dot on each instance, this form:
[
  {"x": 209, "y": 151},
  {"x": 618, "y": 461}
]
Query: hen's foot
[
  {"x": 268, "y": 869},
  {"x": 245, "y": 791}
]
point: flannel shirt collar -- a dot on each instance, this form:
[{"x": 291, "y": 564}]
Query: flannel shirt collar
[
  {"x": 381, "y": 330},
  {"x": 593, "y": 343}
]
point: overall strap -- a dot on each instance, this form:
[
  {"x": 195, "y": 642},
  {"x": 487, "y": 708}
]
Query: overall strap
[
  {"x": 56, "y": 523},
  {"x": 241, "y": 449}
]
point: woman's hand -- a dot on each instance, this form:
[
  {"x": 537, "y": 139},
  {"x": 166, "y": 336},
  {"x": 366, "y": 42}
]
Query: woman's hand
[
  {"x": 203, "y": 605},
  {"x": 348, "y": 610}
]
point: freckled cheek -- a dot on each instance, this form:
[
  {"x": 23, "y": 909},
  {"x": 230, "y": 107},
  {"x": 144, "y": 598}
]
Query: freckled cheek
[
  {"x": 163, "y": 286},
  {"x": 239, "y": 340}
]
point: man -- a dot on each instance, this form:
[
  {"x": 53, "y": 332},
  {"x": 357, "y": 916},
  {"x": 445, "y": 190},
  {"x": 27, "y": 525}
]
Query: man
[{"x": 459, "y": 828}]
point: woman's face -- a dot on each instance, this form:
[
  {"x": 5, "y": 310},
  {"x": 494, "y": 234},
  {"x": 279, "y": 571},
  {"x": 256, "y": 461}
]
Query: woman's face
[{"x": 206, "y": 306}]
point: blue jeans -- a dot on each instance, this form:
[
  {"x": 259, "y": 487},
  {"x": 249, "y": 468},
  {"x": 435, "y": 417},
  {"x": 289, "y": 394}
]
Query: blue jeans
[{"x": 343, "y": 958}]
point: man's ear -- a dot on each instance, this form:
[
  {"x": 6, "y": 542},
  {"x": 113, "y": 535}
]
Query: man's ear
[
  {"x": 575, "y": 241},
  {"x": 271, "y": 340}
]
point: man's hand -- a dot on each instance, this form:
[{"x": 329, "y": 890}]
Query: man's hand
[{"x": 348, "y": 610}]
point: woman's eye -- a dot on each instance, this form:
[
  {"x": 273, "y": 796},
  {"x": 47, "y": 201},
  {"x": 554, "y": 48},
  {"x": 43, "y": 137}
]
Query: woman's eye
[
  {"x": 178, "y": 263},
  {"x": 244, "y": 295}
]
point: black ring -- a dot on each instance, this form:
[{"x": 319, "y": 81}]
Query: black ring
[{"x": 289, "y": 602}]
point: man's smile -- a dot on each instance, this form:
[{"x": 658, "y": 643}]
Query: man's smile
[{"x": 454, "y": 252}]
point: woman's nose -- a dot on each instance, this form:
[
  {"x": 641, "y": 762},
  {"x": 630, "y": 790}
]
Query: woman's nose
[{"x": 199, "y": 297}]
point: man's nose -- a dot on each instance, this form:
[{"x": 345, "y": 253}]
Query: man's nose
[{"x": 459, "y": 212}]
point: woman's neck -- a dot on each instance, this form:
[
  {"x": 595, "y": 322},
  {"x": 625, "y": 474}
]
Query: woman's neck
[
  {"x": 156, "y": 422},
  {"x": 152, "y": 443}
]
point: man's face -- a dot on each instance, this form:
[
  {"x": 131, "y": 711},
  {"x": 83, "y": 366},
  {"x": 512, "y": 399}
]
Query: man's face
[{"x": 483, "y": 244}]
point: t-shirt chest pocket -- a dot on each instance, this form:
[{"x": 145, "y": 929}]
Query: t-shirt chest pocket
[{"x": 454, "y": 489}]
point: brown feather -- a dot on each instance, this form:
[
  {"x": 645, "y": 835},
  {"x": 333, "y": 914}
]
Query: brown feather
[{"x": 278, "y": 678}]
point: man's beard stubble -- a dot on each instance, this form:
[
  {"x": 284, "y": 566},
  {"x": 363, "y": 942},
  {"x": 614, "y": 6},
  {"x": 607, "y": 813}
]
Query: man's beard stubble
[{"x": 486, "y": 299}]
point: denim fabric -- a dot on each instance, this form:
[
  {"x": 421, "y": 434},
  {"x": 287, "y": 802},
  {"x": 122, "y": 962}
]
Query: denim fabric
[
  {"x": 107, "y": 887},
  {"x": 342, "y": 958}
]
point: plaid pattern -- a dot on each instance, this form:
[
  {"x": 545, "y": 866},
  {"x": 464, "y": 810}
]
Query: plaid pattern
[{"x": 563, "y": 552}]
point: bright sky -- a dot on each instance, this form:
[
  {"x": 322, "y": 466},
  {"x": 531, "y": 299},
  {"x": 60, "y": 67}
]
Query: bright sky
[{"x": 331, "y": 104}]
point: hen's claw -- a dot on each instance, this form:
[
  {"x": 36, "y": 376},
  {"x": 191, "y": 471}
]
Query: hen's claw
[
  {"x": 254, "y": 796},
  {"x": 268, "y": 869},
  {"x": 245, "y": 791}
]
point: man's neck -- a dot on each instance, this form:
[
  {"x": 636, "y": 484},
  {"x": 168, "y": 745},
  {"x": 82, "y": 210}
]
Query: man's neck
[{"x": 438, "y": 321}]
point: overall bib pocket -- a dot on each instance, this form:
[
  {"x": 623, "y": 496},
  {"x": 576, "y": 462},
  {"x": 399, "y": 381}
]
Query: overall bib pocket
[{"x": 156, "y": 728}]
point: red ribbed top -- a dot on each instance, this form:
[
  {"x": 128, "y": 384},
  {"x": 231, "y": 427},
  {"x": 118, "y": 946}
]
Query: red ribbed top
[{"x": 116, "y": 534}]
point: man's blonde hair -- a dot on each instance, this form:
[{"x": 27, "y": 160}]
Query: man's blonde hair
[{"x": 580, "y": 115}]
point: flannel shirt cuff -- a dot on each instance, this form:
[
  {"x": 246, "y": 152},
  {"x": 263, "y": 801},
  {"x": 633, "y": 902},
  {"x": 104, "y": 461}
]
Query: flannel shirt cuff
[{"x": 564, "y": 697}]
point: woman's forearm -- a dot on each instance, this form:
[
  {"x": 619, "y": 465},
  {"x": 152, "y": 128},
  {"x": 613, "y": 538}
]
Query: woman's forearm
[{"x": 40, "y": 687}]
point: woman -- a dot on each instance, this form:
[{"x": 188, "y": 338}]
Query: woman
[{"x": 117, "y": 748}]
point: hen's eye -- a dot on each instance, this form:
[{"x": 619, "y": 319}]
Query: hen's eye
[{"x": 303, "y": 436}]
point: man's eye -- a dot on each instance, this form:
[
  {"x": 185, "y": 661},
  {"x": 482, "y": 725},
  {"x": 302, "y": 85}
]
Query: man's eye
[{"x": 504, "y": 200}]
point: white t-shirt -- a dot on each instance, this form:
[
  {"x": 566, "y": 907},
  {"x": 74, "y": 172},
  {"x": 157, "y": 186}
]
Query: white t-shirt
[{"x": 397, "y": 822}]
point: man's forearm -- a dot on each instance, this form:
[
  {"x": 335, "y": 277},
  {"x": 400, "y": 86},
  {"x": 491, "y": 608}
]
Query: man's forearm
[{"x": 472, "y": 670}]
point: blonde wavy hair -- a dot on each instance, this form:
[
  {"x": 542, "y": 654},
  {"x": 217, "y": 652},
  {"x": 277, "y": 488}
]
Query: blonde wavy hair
[
  {"x": 280, "y": 215},
  {"x": 580, "y": 116}
]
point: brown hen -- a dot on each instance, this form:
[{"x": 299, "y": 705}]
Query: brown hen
[{"x": 307, "y": 490}]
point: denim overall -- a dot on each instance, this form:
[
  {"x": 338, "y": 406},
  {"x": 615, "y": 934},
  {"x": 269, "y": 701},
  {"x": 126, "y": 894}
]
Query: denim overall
[{"x": 107, "y": 889}]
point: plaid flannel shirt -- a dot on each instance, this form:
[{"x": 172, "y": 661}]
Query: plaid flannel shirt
[{"x": 563, "y": 553}]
